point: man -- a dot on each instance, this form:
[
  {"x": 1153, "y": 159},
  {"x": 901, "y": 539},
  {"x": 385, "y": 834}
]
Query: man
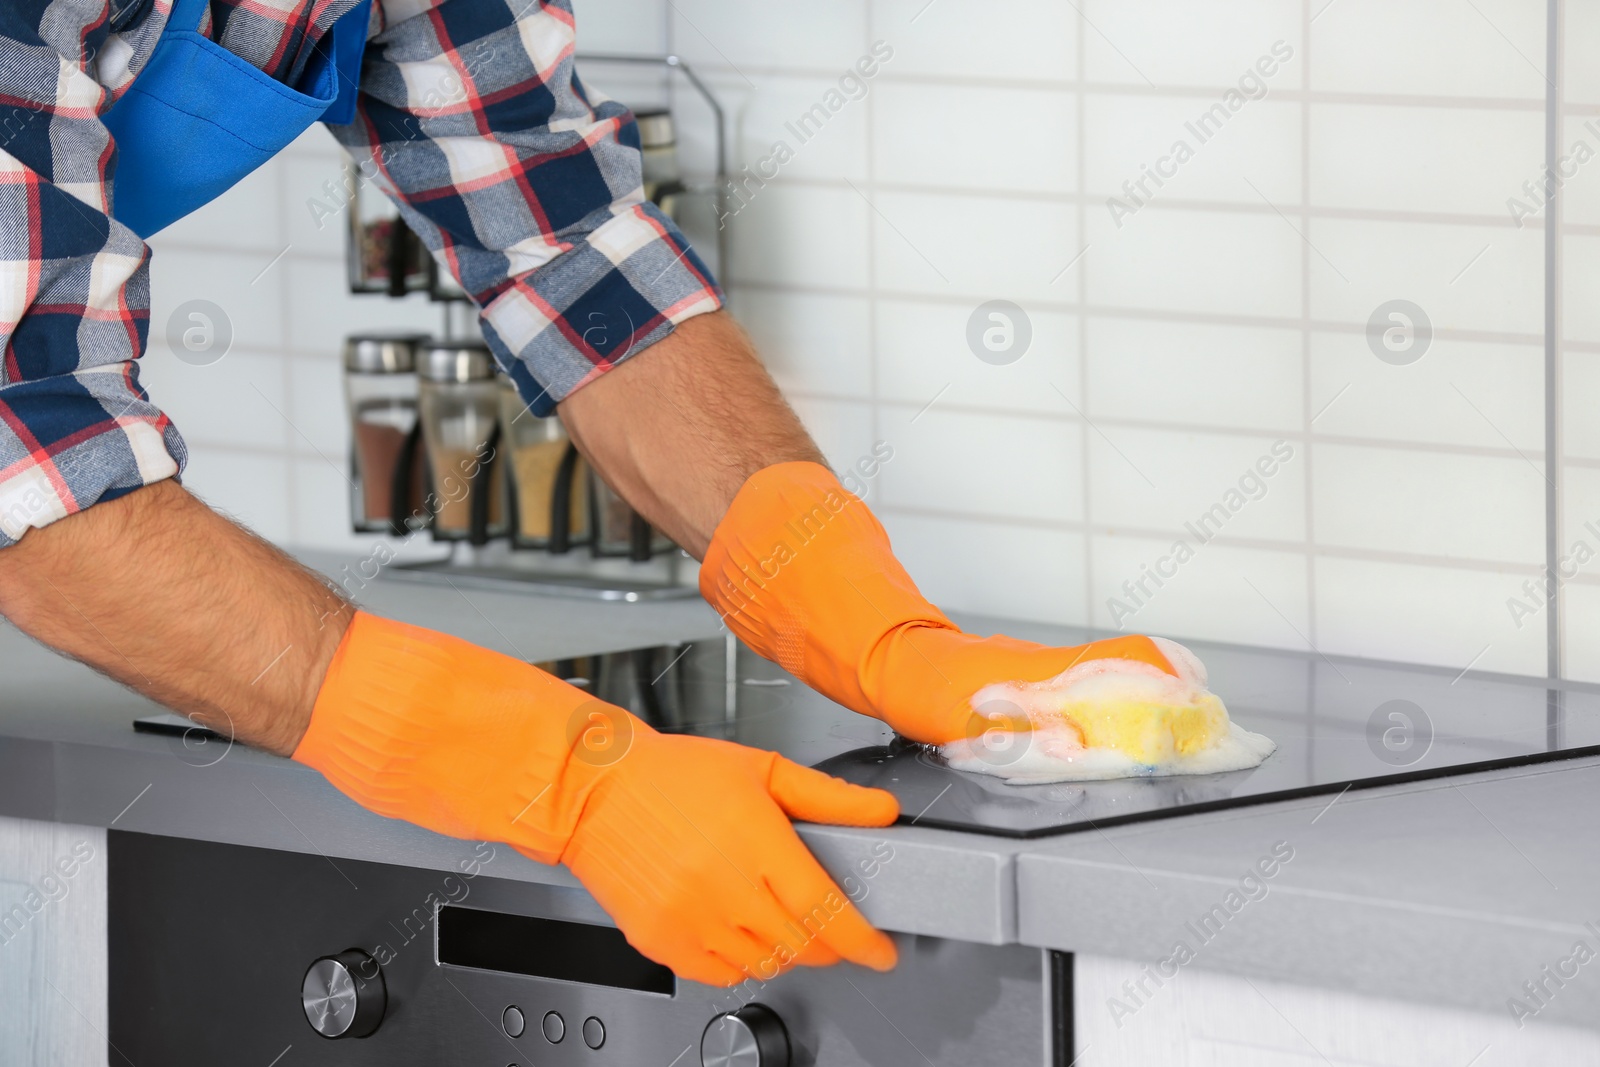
[{"x": 526, "y": 185}]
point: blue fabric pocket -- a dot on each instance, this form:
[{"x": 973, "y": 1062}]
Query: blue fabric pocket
[{"x": 198, "y": 119}]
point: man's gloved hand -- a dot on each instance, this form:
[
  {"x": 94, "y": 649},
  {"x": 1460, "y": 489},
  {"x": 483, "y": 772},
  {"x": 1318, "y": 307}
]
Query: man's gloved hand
[
  {"x": 802, "y": 572},
  {"x": 684, "y": 841}
]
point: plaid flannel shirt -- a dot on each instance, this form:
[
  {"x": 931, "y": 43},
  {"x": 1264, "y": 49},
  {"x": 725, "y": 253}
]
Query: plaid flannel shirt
[{"x": 522, "y": 181}]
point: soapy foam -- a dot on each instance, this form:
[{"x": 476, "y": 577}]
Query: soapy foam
[{"x": 1055, "y": 752}]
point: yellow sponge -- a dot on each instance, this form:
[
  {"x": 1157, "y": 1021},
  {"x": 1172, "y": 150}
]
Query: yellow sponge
[{"x": 1149, "y": 732}]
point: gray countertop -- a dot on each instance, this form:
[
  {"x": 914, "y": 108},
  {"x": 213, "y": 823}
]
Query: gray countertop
[{"x": 1454, "y": 890}]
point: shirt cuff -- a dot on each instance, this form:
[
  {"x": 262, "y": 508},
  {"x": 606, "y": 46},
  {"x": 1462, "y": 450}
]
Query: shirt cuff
[
  {"x": 625, "y": 286},
  {"x": 70, "y": 441}
]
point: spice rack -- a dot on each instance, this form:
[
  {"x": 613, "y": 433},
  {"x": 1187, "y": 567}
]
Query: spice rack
[{"x": 463, "y": 458}]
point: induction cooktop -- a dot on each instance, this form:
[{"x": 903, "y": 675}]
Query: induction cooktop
[{"x": 1340, "y": 724}]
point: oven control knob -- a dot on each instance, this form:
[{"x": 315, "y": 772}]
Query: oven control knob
[
  {"x": 343, "y": 995},
  {"x": 753, "y": 1036}
]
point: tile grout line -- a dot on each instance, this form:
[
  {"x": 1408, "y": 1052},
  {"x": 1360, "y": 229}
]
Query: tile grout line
[
  {"x": 286, "y": 363},
  {"x": 1289, "y": 322},
  {"x": 1555, "y": 621},
  {"x": 1305, "y": 323},
  {"x": 1085, "y": 468},
  {"x": 874, "y": 370}
]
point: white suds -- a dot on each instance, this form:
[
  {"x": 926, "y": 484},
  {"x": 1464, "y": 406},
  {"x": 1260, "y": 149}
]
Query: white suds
[{"x": 1054, "y": 750}]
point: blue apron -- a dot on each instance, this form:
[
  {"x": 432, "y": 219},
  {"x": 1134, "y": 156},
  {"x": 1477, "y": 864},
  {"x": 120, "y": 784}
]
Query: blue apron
[{"x": 198, "y": 119}]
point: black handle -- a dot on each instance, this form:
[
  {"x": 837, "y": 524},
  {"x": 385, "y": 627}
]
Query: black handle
[
  {"x": 561, "y": 502},
  {"x": 405, "y": 466},
  {"x": 483, "y": 491},
  {"x": 640, "y": 538},
  {"x": 399, "y": 256},
  {"x": 644, "y": 680}
]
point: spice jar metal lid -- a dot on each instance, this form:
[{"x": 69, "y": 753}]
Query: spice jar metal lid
[
  {"x": 655, "y": 129},
  {"x": 456, "y": 361},
  {"x": 382, "y": 353}
]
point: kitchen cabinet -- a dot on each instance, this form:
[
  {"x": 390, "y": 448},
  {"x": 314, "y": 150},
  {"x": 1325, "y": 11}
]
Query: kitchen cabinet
[
  {"x": 1209, "y": 1019},
  {"x": 52, "y": 944}
]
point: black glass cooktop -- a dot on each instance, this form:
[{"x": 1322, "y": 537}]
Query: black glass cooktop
[{"x": 1339, "y": 725}]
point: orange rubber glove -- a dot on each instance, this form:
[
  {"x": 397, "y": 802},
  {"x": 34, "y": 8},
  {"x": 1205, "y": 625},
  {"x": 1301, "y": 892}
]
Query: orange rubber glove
[
  {"x": 685, "y": 841},
  {"x": 801, "y": 570}
]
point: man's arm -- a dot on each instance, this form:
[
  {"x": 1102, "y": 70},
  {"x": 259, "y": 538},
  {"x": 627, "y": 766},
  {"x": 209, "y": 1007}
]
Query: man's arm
[
  {"x": 166, "y": 596},
  {"x": 678, "y": 428}
]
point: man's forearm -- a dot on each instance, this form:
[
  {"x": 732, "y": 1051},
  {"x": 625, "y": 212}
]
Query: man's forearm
[
  {"x": 163, "y": 594},
  {"x": 679, "y": 427}
]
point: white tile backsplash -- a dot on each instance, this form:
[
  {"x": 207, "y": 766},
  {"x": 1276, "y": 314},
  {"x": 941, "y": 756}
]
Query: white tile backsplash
[
  {"x": 1160, "y": 141},
  {"x": 824, "y": 35},
  {"x": 236, "y": 402},
  {"x": 627, "y": 27},
  {"x": 1418, "y": 48},
  {"x": 1198, "y": 374},
  {"x": 1158, "y": 42},
  {"x": 1007, "y": 569},
  {"x": 812, "y": 343},
  {"x": 1424, "y": 613},
  {"x": 1360, "y": 492},
  {"x": 1229, "y": 485},
  {"x": 1222, "y": 593},
  {"x": 1474, "y": 393},
  {"x": 776, "y": 239},
  {"x": 773, "y": 113},
  {"x": 975, "y": 246},
  {"x": 1580, "y": 312},
  {"x": 249, "y": 299},
  {"x": 250, "y": 487},
  {"x": 961, "y": 136},
  {"x": 323, "y": 312},
  {"x": 923, "y": 354},
  {"x": 1225, "y": 315},
  {"x": 1488, "y": 278},
  {"x": 1032, "y": 39},
  {"x": 1009, "y": 466},
  {"x": 1379, "y": 157},
  {"x": 1206, "y": 263}
]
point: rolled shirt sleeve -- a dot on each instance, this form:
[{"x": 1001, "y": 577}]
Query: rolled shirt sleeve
[
  {"x": 526, "y": 185},
  {"x": 75, "y": 426}
]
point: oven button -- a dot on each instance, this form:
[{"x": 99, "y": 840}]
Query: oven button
[
  {"x": 594, "y": 1032},
  {"x": 555, "y": 1028},
  {"x": 753, "y": 1036},
  {"x": 343, "y": 995},
  {"x": 513, "y": 1021}
]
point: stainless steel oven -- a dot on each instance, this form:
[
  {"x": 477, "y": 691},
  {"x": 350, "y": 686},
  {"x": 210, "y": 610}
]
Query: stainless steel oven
[{"x": 223, "y": 954}]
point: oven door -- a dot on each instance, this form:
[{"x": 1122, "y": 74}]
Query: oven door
[{"x": 228, "y": 954}]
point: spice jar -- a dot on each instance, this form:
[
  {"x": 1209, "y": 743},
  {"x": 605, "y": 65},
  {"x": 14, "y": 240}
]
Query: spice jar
[
  {"x": 658, "y": 149},
  {"x": 618, "y": 529},
  {"x": 382, "y": 254},
  {"x": 549, "y": 490},
  {"x": 459, "y": 403},
  {"x": 380, "y": 384}
]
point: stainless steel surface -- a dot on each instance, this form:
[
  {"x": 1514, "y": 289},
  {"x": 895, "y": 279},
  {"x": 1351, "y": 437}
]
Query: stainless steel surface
[
  {"x": 455, "y": 361},
  {"x": 947, "y": 1004},
  {"x": 753, "y": 1036},
  {"x": 576, "y": 576},
  {"x": 343, "y": 995},
  {"x": 382, "y": 353}
]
